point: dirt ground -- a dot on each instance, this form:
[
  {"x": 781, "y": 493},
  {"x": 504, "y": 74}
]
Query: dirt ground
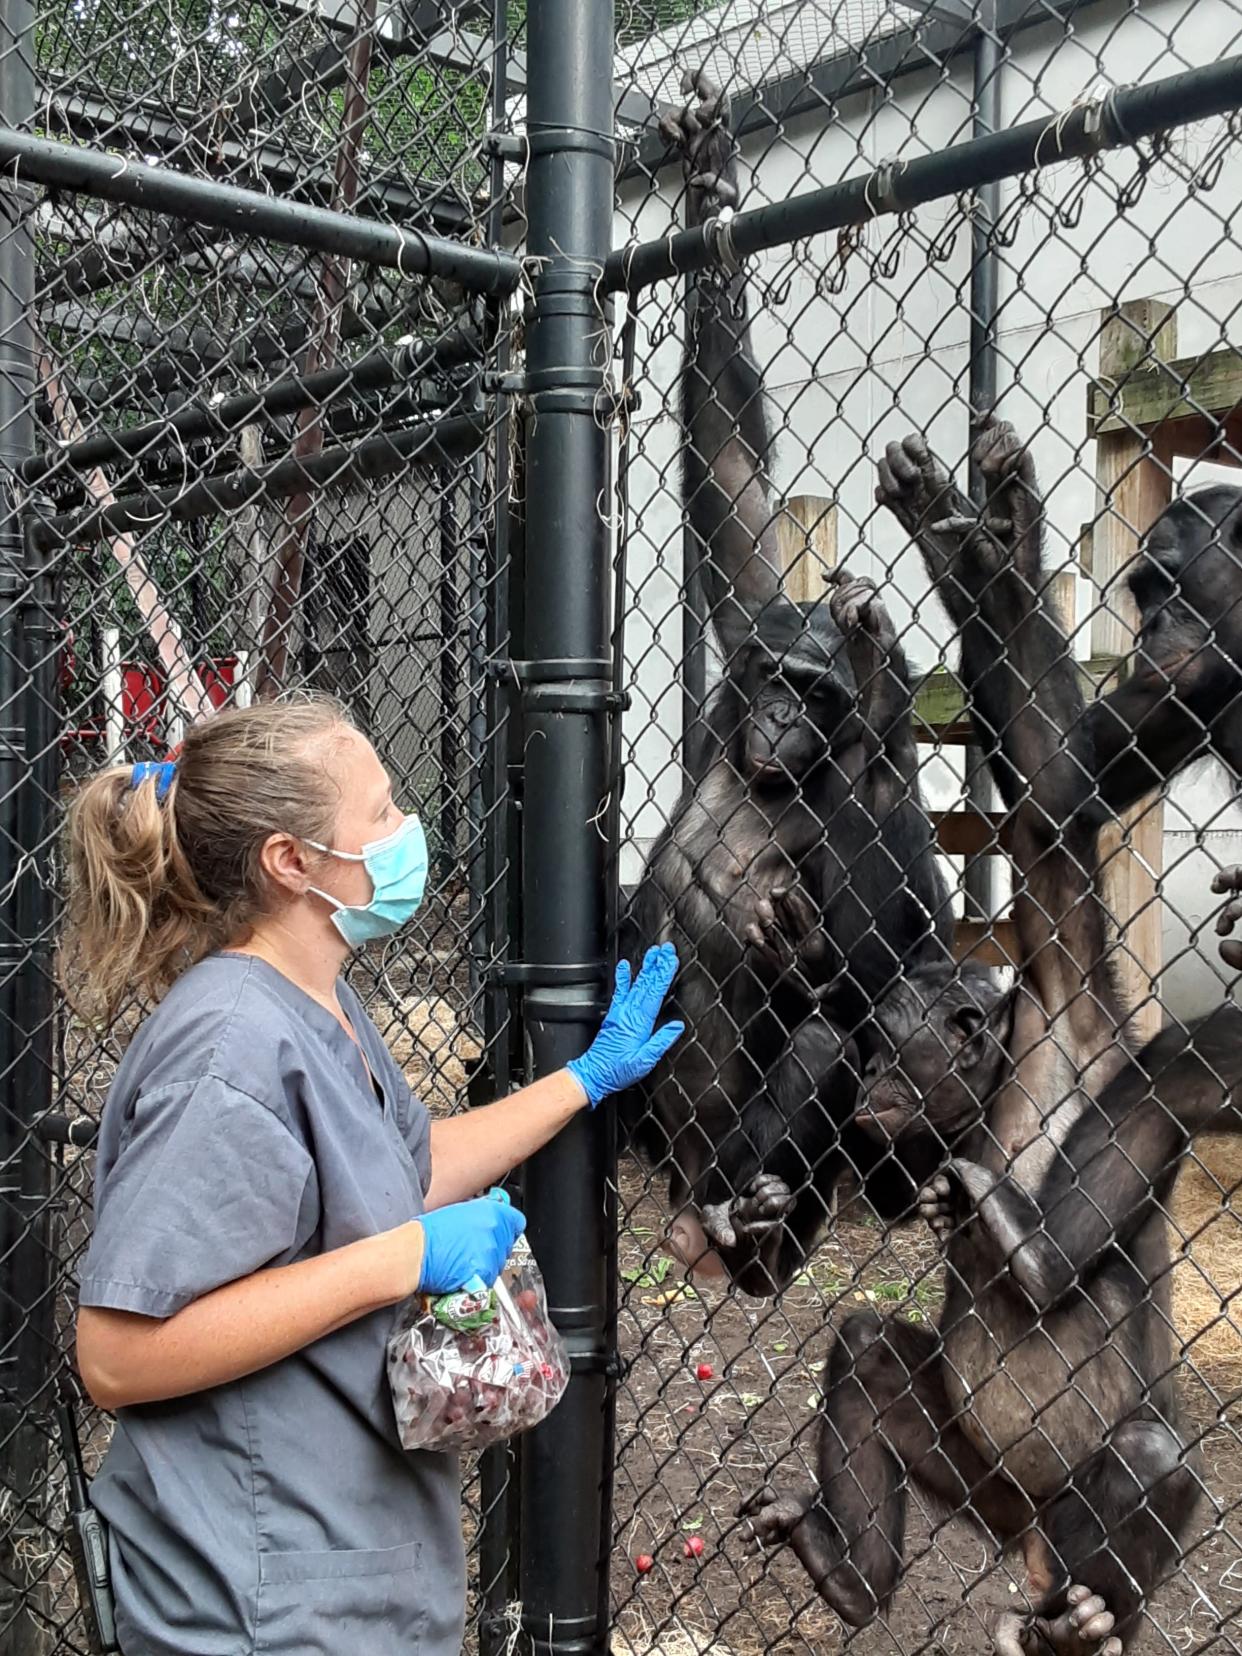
[{"x": 688, "y": 1451}]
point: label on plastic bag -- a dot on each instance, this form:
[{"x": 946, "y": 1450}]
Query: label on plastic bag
[
  {"x": 477, "y": 1366},
  {"x": 465, "y": 1311}
]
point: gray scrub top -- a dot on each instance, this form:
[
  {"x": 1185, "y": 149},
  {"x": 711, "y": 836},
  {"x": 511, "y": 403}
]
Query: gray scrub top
[{"x": 277, "y": 1514}]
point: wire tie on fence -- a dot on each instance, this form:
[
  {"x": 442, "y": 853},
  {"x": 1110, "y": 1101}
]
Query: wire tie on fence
[
  {"x": 718, "y": 231},
  {"x": 880, "y": 190}
]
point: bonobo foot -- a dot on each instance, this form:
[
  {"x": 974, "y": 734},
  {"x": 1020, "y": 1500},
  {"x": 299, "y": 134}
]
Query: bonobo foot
[
  {"x": 773, "y": 1515},
  {"x": 752, "y": 1217},
  {"x": 1085, "y": 1628},
  {"x": 1229, "y": 879},
  {"x": 701, "y": 132}
]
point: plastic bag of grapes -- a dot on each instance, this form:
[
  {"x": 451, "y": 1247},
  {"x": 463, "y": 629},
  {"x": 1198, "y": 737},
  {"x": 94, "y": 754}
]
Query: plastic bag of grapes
[{"x": 470, "y": 1368}]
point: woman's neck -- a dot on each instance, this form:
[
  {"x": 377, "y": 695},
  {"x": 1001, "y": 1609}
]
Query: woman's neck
[{"x": 313, "y": 962}]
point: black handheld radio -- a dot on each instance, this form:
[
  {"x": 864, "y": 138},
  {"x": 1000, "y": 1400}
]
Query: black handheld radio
[{"x": 88, "y": 1542}]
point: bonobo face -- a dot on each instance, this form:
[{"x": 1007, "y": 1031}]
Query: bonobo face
[
  {"x": 1188, "y": 581},
  {"x": 941, "y": 1050},
  {"x": 796, "y": 684}
]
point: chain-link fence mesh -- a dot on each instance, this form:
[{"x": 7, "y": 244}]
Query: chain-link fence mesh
[
  {"x": 277, "y": 439},
  {"x": 1092, "y": 302},
  {"x": 248, "y": 462}
]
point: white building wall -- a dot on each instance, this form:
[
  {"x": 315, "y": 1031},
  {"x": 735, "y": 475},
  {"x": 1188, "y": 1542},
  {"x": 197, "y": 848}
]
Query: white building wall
[{"x": 847, "y": 372}]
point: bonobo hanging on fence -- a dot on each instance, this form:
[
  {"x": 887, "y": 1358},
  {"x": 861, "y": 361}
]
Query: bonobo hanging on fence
[
  {"x": 797, "y": 876},
  {"x": 1042, "y": 1406}
]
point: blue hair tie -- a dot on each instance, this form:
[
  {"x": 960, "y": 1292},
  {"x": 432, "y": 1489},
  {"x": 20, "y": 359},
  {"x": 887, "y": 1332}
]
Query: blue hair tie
[{"x": 162, "y": 773}]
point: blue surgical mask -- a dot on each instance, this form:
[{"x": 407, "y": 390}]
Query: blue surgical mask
[{"x": 397, "y": 865}]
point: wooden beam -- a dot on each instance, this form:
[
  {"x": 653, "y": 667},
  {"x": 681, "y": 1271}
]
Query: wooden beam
[
  {"x": 942, "y": 714},
  {"x": 806, "y": 536},
  {"x": 986, "y": 942},
  {"x": 1185, "y": 388},
  {"x": 1134, "y": 485},
  {"x": 970, "y": 833}
]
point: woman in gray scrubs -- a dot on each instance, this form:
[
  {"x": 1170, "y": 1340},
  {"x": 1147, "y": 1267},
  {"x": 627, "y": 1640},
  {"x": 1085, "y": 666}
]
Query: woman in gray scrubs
[{"x": 268, "y": 1189}]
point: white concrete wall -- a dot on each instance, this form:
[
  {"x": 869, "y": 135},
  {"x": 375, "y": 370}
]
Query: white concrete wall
[{"x": 848, "y": 372}]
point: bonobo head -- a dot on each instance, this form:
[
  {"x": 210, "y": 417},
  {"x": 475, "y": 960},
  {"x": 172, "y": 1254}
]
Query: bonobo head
[
  {"x": 941, "y": 1048},
  {"x": 797, "y": 687},
  {"x": 1188, "y": 580}
]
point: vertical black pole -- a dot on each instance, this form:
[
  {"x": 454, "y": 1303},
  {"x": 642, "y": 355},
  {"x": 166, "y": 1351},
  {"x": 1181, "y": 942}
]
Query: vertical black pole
[
  {"x": 984, "y": 300},
  {"x": 23, "y": 1094},
  {"x": 491, "y": 876},
  {"x": 450, "y": 697},
  {"x": 693, "y": 603},
  {"x": 567, "y": 693}
]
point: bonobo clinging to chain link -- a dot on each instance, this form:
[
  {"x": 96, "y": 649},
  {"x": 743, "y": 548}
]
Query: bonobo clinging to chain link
[
  {"x": 1042, "y": 1406},
  {"x": 797, "y": 875}
]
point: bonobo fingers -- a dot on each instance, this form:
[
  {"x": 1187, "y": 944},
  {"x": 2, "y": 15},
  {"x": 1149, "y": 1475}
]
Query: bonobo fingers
[
  {"x": 801, "y": 921},
  {"x": 937, "y": 1205},
  {"x": 1229, "y": 879},
  {"x": 765, "y": 1204},
  {"x": 772, "y": 1515},
  {"x": 701, "y": 132},
  {"x": 717, "y": 1225},
  {"x": 762, "y": 1207}
]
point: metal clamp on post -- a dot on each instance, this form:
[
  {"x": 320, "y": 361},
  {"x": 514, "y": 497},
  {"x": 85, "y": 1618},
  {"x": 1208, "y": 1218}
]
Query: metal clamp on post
[
  {"x": 542, "y": 985},
  {"x": 881, "y": 189},
  {"x": 505, "y": 146},
  {"x": 563, "y": 684},
  {"x": 718, "y": 234}
]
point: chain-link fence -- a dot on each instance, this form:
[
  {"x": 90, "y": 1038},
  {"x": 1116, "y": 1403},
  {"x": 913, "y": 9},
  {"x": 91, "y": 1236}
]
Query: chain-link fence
[
  {"x": 249, "y": 302},
  {"x": 342, "y": 346},
  {"x": 894, "y": 239}
]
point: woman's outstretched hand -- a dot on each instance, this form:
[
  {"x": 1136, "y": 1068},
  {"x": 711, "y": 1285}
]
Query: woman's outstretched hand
[{"x": 628, "y": 1045}]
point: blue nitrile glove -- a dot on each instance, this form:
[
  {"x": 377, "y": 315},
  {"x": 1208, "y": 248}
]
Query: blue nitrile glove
[
  {"x": 468, "y": 1239},
  {"x": 626, "y": 1048}
]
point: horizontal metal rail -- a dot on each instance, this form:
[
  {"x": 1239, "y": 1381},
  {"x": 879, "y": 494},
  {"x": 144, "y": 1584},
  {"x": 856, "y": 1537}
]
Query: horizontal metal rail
[
  {"x": 372, "y": 372},
  {"x": 250, "y": 213},
  {"x": 232, "y": 491},
  {"x": 1113, "y": 122}
]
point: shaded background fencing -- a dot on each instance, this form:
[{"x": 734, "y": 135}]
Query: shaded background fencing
[{"x": 250, "y": 448}]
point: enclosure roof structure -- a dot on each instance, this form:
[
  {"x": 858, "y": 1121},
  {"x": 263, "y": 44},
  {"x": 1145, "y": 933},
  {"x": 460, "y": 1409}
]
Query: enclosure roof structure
[{"x": 744, "y": 44}]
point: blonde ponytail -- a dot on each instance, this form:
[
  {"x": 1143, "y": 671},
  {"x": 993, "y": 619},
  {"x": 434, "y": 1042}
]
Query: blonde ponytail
[{"x": 154, "y": 887}]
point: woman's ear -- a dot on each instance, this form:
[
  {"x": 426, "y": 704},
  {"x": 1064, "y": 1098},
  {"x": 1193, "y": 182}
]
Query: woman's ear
[{"x": 284, "y": 860}]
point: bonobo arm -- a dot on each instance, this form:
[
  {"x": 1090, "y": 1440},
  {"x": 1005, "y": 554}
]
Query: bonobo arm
[
  {"x": 878, "y": 662},
  {"x": 1026, "y": 699},
  {"x": 727, "y": 493},
  {"x": 1118, "y": 1161},
  {"x": 1141, "y": 734}
]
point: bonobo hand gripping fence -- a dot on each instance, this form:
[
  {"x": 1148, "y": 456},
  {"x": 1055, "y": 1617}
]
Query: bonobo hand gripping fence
[{"x": 763, "y": 475}]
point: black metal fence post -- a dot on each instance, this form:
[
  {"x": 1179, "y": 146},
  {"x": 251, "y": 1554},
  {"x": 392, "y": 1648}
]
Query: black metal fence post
[
  {"x": 567, "y": 694},
  {"x": 977, "y": 882},
  {"x": 24, "y": 1264}
]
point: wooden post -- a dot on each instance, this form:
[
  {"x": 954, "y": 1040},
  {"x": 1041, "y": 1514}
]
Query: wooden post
[
  {"x": 806, "y": 536},
  {"x": 1134, "y": 485}
]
